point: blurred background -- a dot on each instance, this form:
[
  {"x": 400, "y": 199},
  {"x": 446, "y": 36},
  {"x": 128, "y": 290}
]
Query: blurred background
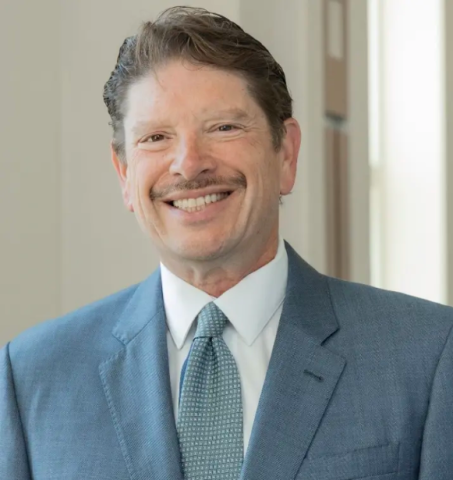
[{"x": 373, "y": 91}]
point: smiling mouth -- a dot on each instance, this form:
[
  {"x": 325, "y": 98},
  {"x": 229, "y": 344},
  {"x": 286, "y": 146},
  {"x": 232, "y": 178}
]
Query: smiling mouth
[{"x": 200, "y": 203}]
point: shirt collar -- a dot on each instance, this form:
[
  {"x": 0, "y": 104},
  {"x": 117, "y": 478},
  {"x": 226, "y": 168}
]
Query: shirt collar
[{"x": 249, "y": 305}]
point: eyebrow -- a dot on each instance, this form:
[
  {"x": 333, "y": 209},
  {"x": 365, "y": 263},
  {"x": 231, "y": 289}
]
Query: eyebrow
[
  {"x": 141, "y": 127},
  {"x": 237, "y": 114}
]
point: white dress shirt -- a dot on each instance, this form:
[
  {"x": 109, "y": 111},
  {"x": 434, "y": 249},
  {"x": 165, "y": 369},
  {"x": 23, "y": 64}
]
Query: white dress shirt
[{"x": 253, "y": 308}]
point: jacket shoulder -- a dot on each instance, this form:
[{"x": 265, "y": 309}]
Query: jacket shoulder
[
  {"x": 394, "y": 312},
  {"x": 89, "y": 323}
]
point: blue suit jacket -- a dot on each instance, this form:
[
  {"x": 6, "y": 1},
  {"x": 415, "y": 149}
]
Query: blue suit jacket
[{"x": 359, "y": 385}]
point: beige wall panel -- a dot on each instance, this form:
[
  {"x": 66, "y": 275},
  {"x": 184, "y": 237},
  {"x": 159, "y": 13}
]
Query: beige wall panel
[
  {"x": 359, "y": 168},
  {"x": 337, "y": 204},
  {"x": 29, "y": 164},
  {"x": 336, "y": 57},
  {"x": 342, "y": 153},
  {"x": 331, "y": 211}
]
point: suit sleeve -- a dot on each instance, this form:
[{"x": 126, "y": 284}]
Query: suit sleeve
[
  {"x": 437, "y": 446},
  {"x": 13, "y": 454}
]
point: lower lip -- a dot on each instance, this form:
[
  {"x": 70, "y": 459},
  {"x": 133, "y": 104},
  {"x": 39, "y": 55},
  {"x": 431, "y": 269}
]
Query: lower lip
[{"x": 212, "y": 210}]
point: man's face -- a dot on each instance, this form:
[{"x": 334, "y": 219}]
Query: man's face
[{"x": 202, "y": 175}]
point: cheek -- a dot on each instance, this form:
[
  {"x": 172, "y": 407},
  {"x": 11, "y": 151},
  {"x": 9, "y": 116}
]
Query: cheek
[
  {"x": 271, "y": 181},
  {"x": 145, "y": 175},
  {"x": 250, "y": 157},
  {"x": 267, "y": 168}
]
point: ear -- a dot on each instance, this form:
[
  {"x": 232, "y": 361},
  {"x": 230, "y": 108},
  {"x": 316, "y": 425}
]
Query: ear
[
  {"x": 121, "y": 170},
  {"x": 289, "y": 153}
]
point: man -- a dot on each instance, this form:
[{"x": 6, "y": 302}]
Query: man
[{"x": 235, "y": 359}]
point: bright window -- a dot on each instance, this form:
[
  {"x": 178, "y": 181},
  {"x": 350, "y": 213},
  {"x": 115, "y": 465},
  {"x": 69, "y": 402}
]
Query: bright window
[{"x": 407, "y": 147}]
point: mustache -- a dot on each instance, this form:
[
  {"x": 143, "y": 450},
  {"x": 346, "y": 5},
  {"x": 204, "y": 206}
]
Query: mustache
[{"x": 237, "y": 181}]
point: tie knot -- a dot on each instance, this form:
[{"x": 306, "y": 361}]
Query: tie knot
[{"x": 211, "y": 322}]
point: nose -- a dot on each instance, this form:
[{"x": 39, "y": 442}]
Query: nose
[{"x": 191, "y": 159}]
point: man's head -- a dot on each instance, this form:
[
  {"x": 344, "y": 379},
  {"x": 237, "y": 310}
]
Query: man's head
[{"x": 201, "y": 110}]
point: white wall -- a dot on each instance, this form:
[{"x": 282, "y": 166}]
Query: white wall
[
  {"x": 448, "y": 28},
  {"x": 29, "y": 164}
]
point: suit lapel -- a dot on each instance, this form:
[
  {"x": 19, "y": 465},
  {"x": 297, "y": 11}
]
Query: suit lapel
[
  {"x": 300, "y": 380},
  {"x": 137, "y": 387}
]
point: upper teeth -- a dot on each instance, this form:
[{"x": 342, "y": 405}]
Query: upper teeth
[{"x": 200, "y": 202}]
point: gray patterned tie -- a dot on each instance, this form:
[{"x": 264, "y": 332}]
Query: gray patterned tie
[{"x": 209, "y": 426}]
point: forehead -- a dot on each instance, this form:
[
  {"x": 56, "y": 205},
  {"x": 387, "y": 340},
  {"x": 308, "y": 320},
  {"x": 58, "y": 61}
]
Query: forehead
[{"x": 180, "y": 88}]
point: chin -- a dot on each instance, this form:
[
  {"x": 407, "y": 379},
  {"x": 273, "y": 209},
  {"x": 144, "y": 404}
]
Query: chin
[{"x": 199, "y": 250}]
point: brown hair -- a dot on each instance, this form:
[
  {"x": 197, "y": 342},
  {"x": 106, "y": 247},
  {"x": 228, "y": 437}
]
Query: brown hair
[{"x": 203, "y": 38}]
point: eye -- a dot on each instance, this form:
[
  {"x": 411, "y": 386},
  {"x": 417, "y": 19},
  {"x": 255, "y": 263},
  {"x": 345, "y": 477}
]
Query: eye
[
  {"x": 227, "y": 128},
  {"x": 153, "y": 138}
]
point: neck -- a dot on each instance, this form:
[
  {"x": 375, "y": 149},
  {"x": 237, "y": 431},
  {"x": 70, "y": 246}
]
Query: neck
[{"x": 216, "y": 278}]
